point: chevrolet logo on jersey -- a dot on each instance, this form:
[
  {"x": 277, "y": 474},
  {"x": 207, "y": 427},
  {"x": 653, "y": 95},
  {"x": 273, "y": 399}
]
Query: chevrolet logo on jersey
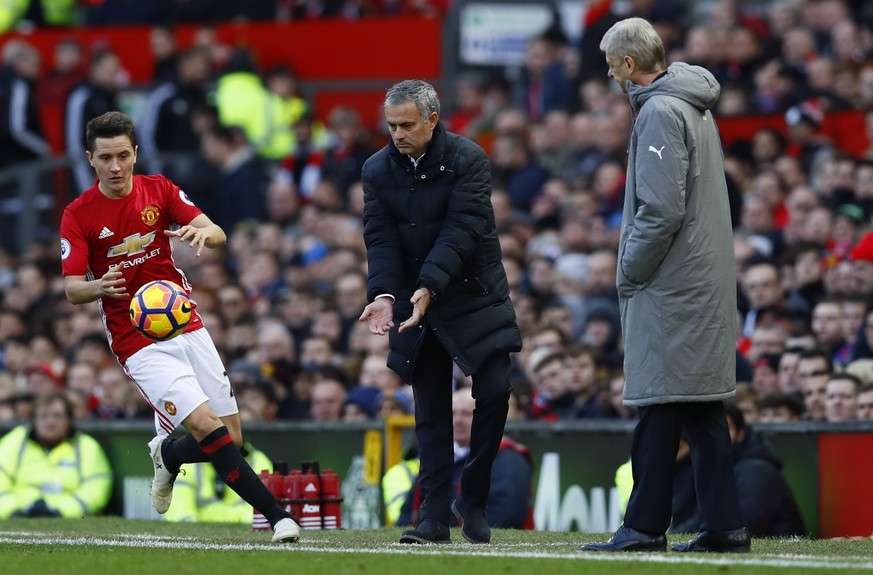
[{"x": 132, "y": 245}]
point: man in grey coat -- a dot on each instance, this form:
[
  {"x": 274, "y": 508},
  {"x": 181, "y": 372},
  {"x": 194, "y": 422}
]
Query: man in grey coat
[
  {"x": 434, "y": 266},
  {"x": 677, "y": 294}
]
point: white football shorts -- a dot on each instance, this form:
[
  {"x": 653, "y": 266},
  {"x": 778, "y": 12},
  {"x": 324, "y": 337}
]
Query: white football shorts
[{"x": 178, "y": 375}]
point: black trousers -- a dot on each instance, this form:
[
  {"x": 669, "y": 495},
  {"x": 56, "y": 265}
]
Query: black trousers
[
  {"x": 432, "y": 387},
  {"x": 653, "y": 455}
]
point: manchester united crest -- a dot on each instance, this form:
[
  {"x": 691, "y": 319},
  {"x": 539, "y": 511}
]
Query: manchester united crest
[
  {"x": 170, "y": 407},
  {"x": 150, "y": 215}
]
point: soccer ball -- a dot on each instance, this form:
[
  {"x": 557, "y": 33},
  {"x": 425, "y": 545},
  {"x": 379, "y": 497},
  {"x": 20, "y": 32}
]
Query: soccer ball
[{"x": 160, "y": 310}]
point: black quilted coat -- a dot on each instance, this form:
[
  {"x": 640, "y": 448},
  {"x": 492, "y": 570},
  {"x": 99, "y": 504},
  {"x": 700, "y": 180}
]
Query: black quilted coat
[{"x": 434, "y": 227}]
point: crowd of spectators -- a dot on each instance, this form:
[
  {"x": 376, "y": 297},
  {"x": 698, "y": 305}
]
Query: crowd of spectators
[{"x": 282, "y": 301}]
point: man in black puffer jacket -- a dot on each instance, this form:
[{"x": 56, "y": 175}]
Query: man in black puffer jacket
[{"x": 435, "y": 262}]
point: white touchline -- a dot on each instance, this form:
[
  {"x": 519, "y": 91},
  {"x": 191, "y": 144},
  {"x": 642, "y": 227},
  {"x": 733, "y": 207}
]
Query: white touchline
[{"x": 164, "y": 542}]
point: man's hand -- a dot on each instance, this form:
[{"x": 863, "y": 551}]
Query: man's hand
[
  {"x": 380, "y": 315},
  {"x": 197, "y": 236},
  {"x": 420, "y": 301},
  {"x": 112, "y": 283}
]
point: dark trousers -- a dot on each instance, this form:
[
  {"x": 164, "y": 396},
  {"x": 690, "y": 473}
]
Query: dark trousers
[
  {"x": 653, "y": 455},
  {"x": 432, "y": 387}
]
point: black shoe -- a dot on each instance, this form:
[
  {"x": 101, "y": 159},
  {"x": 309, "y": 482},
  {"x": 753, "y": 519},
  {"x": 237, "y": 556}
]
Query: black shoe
[
  {"x": 732, "y": 541},
  {"x": 428, "y": 531},
  {"x": 474, "y": 525},
  {"x": 627, "y": 539}
]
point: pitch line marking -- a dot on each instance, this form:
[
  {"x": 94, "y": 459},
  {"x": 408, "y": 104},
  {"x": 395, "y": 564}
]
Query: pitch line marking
[{"x": 135, "y": 540}]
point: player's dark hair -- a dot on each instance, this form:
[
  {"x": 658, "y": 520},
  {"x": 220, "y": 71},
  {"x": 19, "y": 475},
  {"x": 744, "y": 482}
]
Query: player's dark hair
[{"x": 109, "y": 125}]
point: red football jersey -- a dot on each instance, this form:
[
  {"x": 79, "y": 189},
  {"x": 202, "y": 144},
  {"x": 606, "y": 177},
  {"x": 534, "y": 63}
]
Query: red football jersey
[{"x": 97, "y": 232}]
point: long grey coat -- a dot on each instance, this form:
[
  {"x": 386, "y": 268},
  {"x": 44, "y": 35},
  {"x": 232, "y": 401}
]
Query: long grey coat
[{"x": 676, "y": 278}]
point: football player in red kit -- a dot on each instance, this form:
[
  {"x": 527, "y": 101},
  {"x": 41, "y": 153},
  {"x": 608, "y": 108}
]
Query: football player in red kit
[{"x": 118, "y": 236}]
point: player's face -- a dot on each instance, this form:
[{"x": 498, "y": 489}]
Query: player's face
[
  {"x": 113, "y": 159},
  {"x": 410, "y": 132}
]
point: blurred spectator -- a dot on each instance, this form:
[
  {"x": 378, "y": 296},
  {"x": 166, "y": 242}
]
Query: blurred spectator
[
  {"x": 865, "y": 402},
  {"x": 767, "y": 505},
  {"x": 787, "y": 376},
  {"x": 515, "y": 169},
  {"x": 841, "y": 398},
  {"x": 328, "y": 399},
  {"x": 763, "y": 291},
  {"x": 258, "y": 401},
  {"x": 395, "y": 401},
  {"x": 360, "y": 402},
  {"x": 813, "y": 371},
  {"x": 747, "y": 401},
  {"x": 117, "y": 398},
  {"x": 552, "y": 399},
  {"x": 510, "y": 503},
  {"x": 240, "y": 185},
  {"x": 349, "y": 150},
  {"x": 581, "y": 363},
  {"x": 68, "y": 69},
  {"x": 827, "y": 325},
  {"x": 162, "y": 43},
  {"x": 781, "y": 408},
  {"x": 295, "y": 127},
  {"x": 542, "y": 85},
  {"x": 94, "y": 97},
  {"x": 21, "y": 134},
  {"x": 176, "y": 112},
  {"x": 50, "y": 469}
]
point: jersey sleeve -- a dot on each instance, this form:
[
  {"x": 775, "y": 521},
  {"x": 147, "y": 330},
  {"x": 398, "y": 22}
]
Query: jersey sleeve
[
  {"x": 181, "y": 209},
  {"x": 74, "y": 246}
]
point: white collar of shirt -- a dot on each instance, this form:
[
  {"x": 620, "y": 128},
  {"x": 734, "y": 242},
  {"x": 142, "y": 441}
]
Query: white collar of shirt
[
  {"x": 461, "y": 452},
  {"x": 414, "y": 161}
]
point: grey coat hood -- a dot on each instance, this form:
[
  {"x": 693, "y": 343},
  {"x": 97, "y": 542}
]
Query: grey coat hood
[{"x": 694, "y": 84}]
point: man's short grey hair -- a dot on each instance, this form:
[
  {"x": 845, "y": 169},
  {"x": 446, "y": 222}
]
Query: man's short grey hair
[
  {"x": 418, "y": 92},
  {"x": 636, "y": 38}
]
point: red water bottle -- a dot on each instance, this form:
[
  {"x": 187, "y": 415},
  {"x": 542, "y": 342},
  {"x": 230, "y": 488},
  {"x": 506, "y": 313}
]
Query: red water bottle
[
  {"x": 331, "y": 502},
  {"x": 291, "y": 494},
  {"x": 259, "y": 522},
  {"x": 310, "y": 506}
]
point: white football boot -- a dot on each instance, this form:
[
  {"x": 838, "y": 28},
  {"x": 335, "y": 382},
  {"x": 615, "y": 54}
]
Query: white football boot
[
  {"x": 162, "y": 485},
  {"x": 286, "y": 531}
]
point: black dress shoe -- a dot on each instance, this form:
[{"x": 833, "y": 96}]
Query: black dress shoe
[
  {"x": 627, "y": 539},
  {"x": 474, "y": 525},
  {"x": 427, "y": 531},
  {"x": 732, "y": 541}
]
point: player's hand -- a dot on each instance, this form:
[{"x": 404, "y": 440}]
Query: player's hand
[
  {"x": 420, "y": 301},
  {"x": 196, "y": 236},
  {"x": 112, "y": 283},
  {"x": 380, "y": 315}
]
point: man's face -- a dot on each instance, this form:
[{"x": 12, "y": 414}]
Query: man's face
[
  {"x": 463, "y": 405},
  {"x": 411, "y": 133},
  {"x": 766, "y": 340},
  {"x": 865, "y": 405},
  {"x": 813, "y": 376},
  {"x": 51, "y": 423},
  {"x": 619, "y": 71},
  {"x": 113, "y": 159},
  {"x": 761, "y": 286},
  {"x": 841, "y": 400},
  {"x": 827, "y": 323}
]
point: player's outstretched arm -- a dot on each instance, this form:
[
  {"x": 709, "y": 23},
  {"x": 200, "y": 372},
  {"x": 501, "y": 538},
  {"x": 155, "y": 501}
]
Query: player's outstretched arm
[
  {"x": 111, "y": 284},
  {"x": 201, "y": 231}
]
